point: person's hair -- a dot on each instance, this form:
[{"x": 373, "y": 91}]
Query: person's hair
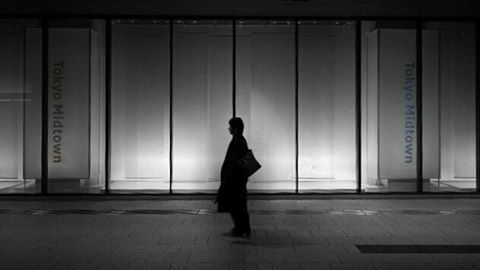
[{"x": 236, "y": 123}]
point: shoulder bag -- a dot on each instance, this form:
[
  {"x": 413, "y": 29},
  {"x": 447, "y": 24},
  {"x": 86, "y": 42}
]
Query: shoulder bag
[{"x": 248, "y": 164}]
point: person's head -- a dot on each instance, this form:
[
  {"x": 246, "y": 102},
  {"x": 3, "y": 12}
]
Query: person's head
[{"x": 236, "y": 126}]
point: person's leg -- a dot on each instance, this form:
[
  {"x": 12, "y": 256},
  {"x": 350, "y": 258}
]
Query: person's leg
[
  {"x": 239, "y": 213},
  {"x": 243, "y": 216},
  {"x": 236, "y": 221},
  {"x": 241, "y": 222},
  {"x": 244, "y": 221}
]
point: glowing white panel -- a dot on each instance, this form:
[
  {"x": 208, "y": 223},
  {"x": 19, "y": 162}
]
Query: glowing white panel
[
  {"x": 202, "y": 103},
  {"x": 326, "y": 107},
  {"x": 11, "y": 45},
  {"x": 390, "y": 112},
  {"x": 33, "y": 103},
  {"x": 266, "y": 100},
  {"x": 449, "y": 51},
  {"x": 20, "y": 106},
  {"x": 95, "y": 99},
  {"x": 458, "y": 87},
  {"x": 457, "y": 101},
  {"x": 9, "y": 146},
  {"x": 370, "y": 109},
  {"x": 68, "y": 125},
  {"x": 97, "y": 105},
  {"x": 11, "y": 111},
  {"x": 396, "y": 104},
  {"x": 140, "y": 106},
  {"x": 431, "y": 104}
]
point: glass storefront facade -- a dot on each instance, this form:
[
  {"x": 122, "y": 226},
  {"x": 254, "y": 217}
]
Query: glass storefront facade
[
  {"x": 142, "y": 105},
  {"x": 389, "y": 108},
  {"x": 20, "y": 106},
  {"x": 76, "y": 106},
  {"x": 449, "y": 86},
  {"x": 326, "y": 106},
  {"x": 265, "y": 99}
]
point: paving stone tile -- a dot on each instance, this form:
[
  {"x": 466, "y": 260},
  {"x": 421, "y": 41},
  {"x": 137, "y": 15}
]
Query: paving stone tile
[
  {"x": 242, "y": 266},
  {"x": 359, "y": 258},
  {"x": 244, "y": 247},
  {"x": 279, "y": 266},
  {"x": 198, "y": 266},
  {"x": 411, "y": 258},
  {"x": 149, "y": 266},
  {"x": 215, "y": 257},
  {"x": 115, "y": 265},
  {"x": 264, "y": 257},
  {"x": 457, "y": 258},
  {"x": 26, "y": 265},
  {"x": 402, "y": 266},
  {"x": 450, "y": 266},
  {"x": 78, "y": 266},
  {"x": 320, "y": 249},
  {"x": 168, "y": 258},
  {"x": 351, "y": 266},
  {"x": 219, "y": 248},
  {"x": 313, "y": 257}
]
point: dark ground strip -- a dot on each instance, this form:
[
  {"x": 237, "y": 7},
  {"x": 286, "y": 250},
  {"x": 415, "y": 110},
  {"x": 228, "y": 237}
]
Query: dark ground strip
[
  {"x": 466, "y": 249},
  {"x": 254, "y": 212}
]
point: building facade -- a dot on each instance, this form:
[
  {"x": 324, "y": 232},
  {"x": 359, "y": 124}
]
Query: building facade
[{"x": 96, "y": 101}]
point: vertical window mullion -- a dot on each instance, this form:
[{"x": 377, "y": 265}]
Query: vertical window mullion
[
  {"x": 171, "y": 108},
  {"x": 419, "y": 103},
  {"x": 358, "y": 103},
  {"x": 45, "y": 96},
  {"x": 234, "y": 68},
  {"x": 296, "y": 105},
  {"x": 477, "y": 102},
  {"x": 108, "y": 98}
]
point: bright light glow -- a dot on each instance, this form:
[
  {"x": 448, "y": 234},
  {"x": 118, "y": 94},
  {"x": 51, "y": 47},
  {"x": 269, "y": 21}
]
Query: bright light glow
[
  {"x": 201, "y": 104},
  {"x": 265, "y": 100},
  {"x": 140, "y": 107}
]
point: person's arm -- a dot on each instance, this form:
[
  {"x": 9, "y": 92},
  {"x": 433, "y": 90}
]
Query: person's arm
[
  {"x": 240, "y": 148},
  {"x": 243, "y": 147}
]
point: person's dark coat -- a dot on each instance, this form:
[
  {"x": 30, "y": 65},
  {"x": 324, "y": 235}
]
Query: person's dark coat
[{"x": 232, "y": 194}]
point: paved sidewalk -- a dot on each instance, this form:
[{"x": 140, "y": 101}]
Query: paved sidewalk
[{"x": 287, "y": 234}]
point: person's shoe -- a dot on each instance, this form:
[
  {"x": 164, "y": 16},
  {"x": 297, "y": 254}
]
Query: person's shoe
[
  {"x": 238, "y": 233},
  {"x": 242, "y": 234},
  {"x": 247, "y": 234}
]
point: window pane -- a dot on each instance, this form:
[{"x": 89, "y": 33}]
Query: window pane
[
  {"x": 388, "y": 106},
  {"x": 76, "y": 106},
  {"x": 140, "y": 139},
  {"x": 326, "y": 109},
  {"x": 202, "y": 103},
  {"x": 449, "y": 106},
  {"x": 20, "y": 106},
  {"x": 266, "y": 100}
]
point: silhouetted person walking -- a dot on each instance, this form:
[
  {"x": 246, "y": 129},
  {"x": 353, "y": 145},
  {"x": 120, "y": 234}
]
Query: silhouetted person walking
[{"x": 232, "y": 194}]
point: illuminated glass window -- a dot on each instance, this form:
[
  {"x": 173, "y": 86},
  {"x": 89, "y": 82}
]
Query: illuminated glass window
[
  {"x": 172, "y": 95},
  {"x": 449, "y": 106},
  {"x": 20, "y": 106},
  {"x": 140, "y": 139},
  {"x": 202, "y": 103},
  {"x": 389, "y": 106},
  {"x": 266, "y": 100},
  {"x": 76, "y": 98},
  {"x": 326, "y": 107}
]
